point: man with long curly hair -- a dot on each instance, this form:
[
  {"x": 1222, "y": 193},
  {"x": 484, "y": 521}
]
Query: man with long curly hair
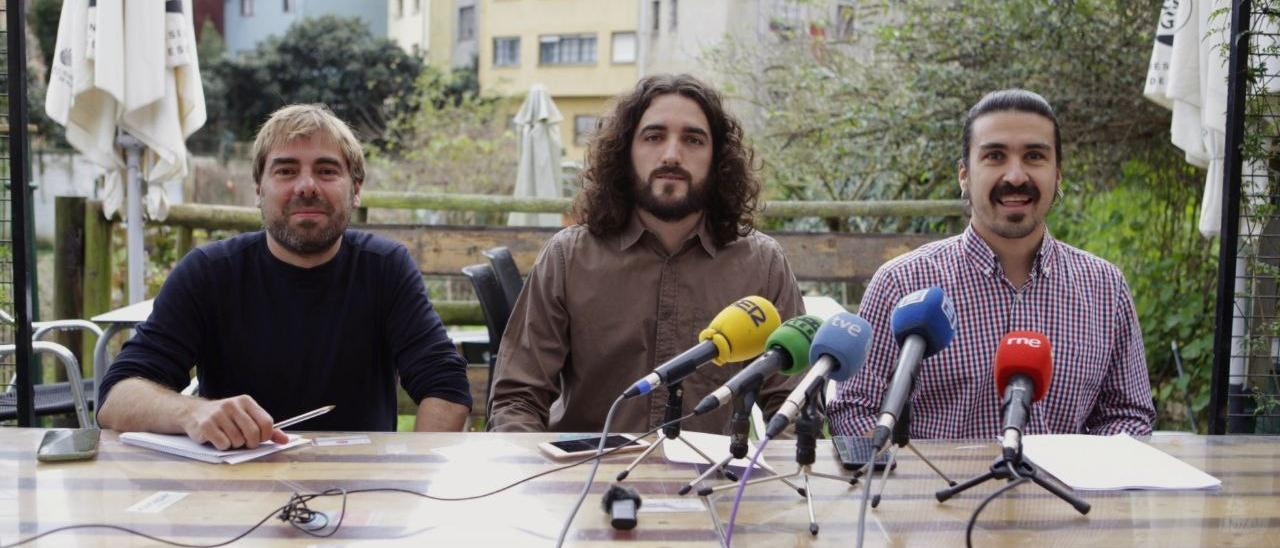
[{"x": 665, "y": 239}]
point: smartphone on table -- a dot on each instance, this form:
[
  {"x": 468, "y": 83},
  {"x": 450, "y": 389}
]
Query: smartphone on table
[
  {"x": 586, "y": 447},
  {"x": 65, "y": 445},
  {"x": 855, "y": 451}
]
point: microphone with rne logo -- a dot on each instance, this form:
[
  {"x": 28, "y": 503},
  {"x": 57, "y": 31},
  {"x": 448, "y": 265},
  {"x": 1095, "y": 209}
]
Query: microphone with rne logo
[
  {"x": 1024, "y": 369},
  {"x": 787, "y": 352},
  {"x": 923, "y": 323},
  {"x": 839, "y": 350},
  {"x": 737, "y": 333}
]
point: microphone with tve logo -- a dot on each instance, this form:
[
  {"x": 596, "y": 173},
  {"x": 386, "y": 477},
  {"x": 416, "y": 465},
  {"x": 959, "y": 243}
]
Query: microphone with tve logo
[
  {"x": 923, "y": 323},
  {"x": 736, "y": 334},
  {"x": 839, "y": 350},
  {"x": 1024, "y": 368},
  {"x": 788, "y": 353}
]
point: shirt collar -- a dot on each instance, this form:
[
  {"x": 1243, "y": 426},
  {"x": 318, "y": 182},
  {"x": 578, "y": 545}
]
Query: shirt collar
[
  {"x": 982, "y": 257},
  {"x": 634, "y": 230}
]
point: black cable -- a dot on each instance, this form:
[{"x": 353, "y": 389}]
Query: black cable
[
  {"x": 296, "y": 512},
  {"x": 973, "y": 519}
]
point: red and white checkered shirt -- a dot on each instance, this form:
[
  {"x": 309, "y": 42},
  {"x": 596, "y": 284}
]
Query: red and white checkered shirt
[{"x": 1079, "y": 301}]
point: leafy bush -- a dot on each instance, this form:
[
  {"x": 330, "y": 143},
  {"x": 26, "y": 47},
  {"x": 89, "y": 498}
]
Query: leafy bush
[{"x": 1147, "y": 226}]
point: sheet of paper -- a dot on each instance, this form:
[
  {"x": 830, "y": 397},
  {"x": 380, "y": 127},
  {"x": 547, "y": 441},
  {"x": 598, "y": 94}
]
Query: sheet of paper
[
  {"x": 178, "y": 444},
  {"x": 715, "y": 446},
  {"x": 1108, "y": 463},
  {"x": 157, "y": 502},
  {"x": 358, "y": 439},
  {"x": 245, "y": 455},
  {"x": 653, "y": 505},
  {"x": 822, "y": 307}
]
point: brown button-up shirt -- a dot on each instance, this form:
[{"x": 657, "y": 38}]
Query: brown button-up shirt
[{"x": 596, "y": 314}]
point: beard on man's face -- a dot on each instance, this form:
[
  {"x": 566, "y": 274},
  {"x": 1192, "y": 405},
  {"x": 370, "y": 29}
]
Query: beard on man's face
[
  {"x": 310, "y": 238},
  {"x": 670, "y": 209}
]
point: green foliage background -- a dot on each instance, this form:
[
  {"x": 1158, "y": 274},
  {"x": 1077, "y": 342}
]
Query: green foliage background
[{"x": 366, "y": 80}]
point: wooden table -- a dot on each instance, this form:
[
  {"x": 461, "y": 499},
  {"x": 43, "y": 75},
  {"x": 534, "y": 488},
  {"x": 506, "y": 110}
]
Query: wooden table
[{"x": 223, "y": 500}]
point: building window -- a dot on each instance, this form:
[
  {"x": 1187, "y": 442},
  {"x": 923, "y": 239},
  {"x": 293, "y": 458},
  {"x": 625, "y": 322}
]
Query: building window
[
  {"x": 506, "y": 51},
  {"x": 675, "y": 9},
  {"x": 290, "y": 6},
  {"x": 466, "y": 23},
  {"x": 583, "y": 126},
  {"x": 624, "y": 47},
  {"x": 246, "y": 8},
  {"x": 399, "y": 8},
  {"x": 567, "y": 49},
  {"x": 417, "y": 6},
  {"x": 657, "y": 8}
]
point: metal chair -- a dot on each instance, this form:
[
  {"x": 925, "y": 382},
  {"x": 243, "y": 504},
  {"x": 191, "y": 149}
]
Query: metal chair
[
  {"x": 47, "y": 398},
  {"x": 494, "y": 305},
  {"x": 504, "y": 266},
  {"x": 59, "y": 397}
]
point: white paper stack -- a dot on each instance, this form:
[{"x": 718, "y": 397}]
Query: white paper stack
[
  {"x": 181, "y": 445},
  {"x": 1110, "y": 463}
]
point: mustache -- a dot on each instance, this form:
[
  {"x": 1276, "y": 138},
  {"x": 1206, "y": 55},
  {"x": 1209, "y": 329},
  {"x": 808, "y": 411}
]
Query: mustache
[
  {"x": 1006, "y": 188},
  {"x": 670, "y": 171},
  {"x": 308, "y": 203}
]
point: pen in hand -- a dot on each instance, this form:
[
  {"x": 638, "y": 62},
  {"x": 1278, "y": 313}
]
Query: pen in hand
[{"x": 305, "y": 416}]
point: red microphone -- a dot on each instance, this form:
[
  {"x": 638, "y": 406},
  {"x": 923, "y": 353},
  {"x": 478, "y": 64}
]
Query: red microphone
[{"x": 1024, "y": 368}]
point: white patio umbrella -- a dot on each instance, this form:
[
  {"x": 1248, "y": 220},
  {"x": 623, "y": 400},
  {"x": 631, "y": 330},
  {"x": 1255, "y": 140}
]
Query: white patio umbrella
[
  {"x": 538, "y": 171},
  {"x": 125, "y": 76}
]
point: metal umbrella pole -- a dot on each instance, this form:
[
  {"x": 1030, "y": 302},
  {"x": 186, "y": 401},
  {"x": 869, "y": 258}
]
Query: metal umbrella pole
[{"x": 133, "y": 219}]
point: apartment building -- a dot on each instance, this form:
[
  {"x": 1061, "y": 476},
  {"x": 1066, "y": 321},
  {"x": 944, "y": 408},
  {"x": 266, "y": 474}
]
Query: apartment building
[
  {"x": 584, "y": 51},
  {"x": 587, "y": 51}
]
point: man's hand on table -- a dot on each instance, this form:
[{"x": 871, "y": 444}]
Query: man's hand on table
[{"x": 230, "y": 423}]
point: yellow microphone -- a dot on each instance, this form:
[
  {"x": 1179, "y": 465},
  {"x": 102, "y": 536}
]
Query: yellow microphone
[{"x": 737, "y": 333}]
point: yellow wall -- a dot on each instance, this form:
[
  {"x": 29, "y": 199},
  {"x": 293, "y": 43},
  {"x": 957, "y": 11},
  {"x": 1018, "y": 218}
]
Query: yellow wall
[
  {"x": 431, "y": 29},
  {"x": 440, "y": 24},
  {"x": 408, "y": 29},
  {"x": 529, "y": 19},
  {"x": 574, "y": 106},
  {"x": 576, "y": 89}
]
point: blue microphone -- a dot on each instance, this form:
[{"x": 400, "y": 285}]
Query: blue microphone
[
  {"x": 923, "y": 324},
  {"x": 839, "y": 350}
]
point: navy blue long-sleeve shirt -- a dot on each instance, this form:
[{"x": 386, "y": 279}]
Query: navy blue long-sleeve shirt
[{"x": 295, "y": 339}]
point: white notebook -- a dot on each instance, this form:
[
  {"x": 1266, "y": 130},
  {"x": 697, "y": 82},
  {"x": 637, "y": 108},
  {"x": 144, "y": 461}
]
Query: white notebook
[
  {"x": 181, "y": 445},
  {"x": 1105, "y": 463}
]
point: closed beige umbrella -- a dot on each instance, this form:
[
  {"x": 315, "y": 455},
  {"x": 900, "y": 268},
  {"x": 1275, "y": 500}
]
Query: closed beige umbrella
[
  {"x": 125, "y": 76},
  {"x": 538, "y": 170}
]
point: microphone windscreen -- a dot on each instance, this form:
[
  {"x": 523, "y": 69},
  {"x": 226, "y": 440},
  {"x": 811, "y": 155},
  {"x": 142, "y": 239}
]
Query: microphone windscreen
[
  {"x": 794, "y": 337},
  {"x": 740, "y": 330},
  {"x": 1025, "y": 353},
  {"x": 927, "y": 313},
  {"x": 847, "y": 339}
]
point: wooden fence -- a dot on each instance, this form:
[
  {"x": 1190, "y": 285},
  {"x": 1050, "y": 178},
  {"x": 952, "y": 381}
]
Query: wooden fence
[{"x": 84, "y": 244}]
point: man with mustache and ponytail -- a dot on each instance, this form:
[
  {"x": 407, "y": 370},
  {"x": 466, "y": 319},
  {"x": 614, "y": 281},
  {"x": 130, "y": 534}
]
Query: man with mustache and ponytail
[
  {"x": 301, "y": 315},
  {"x": 664, "y": 241},
  {"x": 1006, "y": 273}
]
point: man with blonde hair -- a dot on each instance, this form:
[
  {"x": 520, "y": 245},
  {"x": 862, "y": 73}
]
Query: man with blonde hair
[{"x": 303, "y": 314}]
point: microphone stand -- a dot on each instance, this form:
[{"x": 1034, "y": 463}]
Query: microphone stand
[
  {"x": 1019, "y": 467},
  {"x": 740, "y": 428},
  {"x": 902, "y": 438},
  {"x": 807, "y": 426},
  {"x": 675, "y": 410}
]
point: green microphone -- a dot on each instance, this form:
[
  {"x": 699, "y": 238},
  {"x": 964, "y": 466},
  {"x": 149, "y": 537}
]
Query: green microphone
[{"x": 787, "y": 352}]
